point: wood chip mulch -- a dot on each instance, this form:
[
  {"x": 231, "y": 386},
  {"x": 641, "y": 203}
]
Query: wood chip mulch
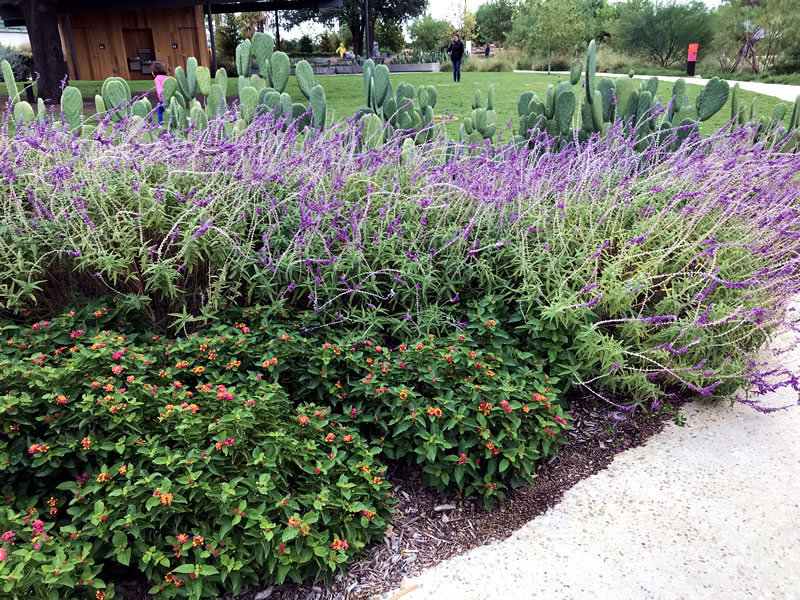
[{"x": 429, "y": 528}]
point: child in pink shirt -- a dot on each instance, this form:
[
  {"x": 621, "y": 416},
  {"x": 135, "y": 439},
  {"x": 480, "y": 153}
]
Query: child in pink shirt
[{"x": 160, "y": 77}]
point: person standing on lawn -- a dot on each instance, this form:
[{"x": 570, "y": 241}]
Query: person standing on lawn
[
  {"x": 456, "y": 52},
  {"x": 160, "y": 77},
  {"x": 486, "y": 51}
]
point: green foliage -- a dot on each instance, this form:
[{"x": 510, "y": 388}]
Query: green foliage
[
  {"x": 429, "y": 34},
  {"x": 169, "y": 89},
  {"x": 549, "y": 27},
  {"x": 493, "y": 19},
  {"x": 277, "y": 482},
  {"x": 663, "y": 30},
  {"x": 389, "y": 35}
]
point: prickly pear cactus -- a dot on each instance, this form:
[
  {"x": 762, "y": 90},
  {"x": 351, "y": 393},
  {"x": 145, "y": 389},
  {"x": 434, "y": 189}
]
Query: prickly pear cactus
[
  {"x": 319, "y": 107},
  {"x": 215, "y": 99},
  {"x": 651, "y": 85},
  {"x": 203, "y": 81},
  {"x": 371, "y": 131},
  {"x": 23, "y": 112},
  {"x": 8, "y": 78},
  {"x": 305, "y": 77},
  {"x": 280, "y": 69},
  {"x": 176, "y": 114},
  {"x": 606, "y": 89},
  {"x": 221, "y": 79},
  {"x": 262, "y": 48},
  {"x": 41, "y": 111},
  {"x": 476, "y": 99},
  {"x": 249, "y": 98},
  {"x": 141, "y": 108},
  {"x": 244, "y": 58},
  {"x": 565, "y": 111},
  {"x": 591, "y": 67},
  {"x": 422, "y": 96},
  {"x": 241, "y": 83},
  {"x": 433, "y": 95},
  {"x": 778, "y": 112},
  {"x": 575, "y": 73},
  {"x": 301, "y": 115},
  {"x": 549, "y": 102},
  {"x": 366, "y": 71},
  {"x": 183, "y": 82},
  {"x": 380, "y": 84},
  {"x": 523, "y": 103},
  {"x": 191, "y": 75},
  {"x": 198, "y": 117},
  {"x": 72, "y": 106},
  {"x": 715, "y": 95},
  {"x": 257, "y": 82},
  {"x": 168, "y": 89},
  {"x": 115, "y": 99},
  {"x": 407, "y": 151},
  {"x": 490, "y": 97}
]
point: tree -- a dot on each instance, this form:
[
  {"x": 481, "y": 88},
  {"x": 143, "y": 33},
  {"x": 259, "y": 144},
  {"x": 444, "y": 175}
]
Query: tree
[
  {"x": 463, "y": 20},
  {"x": 429, "y": 34},
  {"x": 227, "y": 35},
  {"x": 493, "y": 19},
  {"x": 250, "y": 22},
  {"x": 599, "y": 17},
  {"x": 41, "y": 19},
  {"x": 550, "y": 27},
  {"x": 389, "y": 35},
  {"x": 771, "y": 24},
  {"x": 352, "y": 15},
  {"x": 665, "y": 29}
]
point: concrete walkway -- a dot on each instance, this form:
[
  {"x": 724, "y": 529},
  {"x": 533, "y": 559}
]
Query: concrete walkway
[
  {"x": 787, "y": 93},
  {"x": 710, "y": 510}
]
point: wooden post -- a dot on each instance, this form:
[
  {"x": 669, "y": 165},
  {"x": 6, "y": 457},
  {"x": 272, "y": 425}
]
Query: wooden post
[
  {"x": 211, "y": 34},
  {"x": 277, "y": 32},
  {"x": 68, "y": 27}
]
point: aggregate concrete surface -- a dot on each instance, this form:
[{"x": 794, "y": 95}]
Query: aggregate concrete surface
[
  {"x": 709, "y": 510},
  {"x": 784, "y": 92}
]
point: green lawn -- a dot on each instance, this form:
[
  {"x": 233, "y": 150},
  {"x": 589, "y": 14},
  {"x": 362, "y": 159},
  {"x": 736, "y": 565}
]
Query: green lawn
[{"x": 346, "y": 94}]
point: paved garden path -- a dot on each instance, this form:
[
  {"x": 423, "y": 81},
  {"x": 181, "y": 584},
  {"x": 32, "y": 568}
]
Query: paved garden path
[
  {"x": 785, "y": 92},
  {"x": 709, "y": 510}
]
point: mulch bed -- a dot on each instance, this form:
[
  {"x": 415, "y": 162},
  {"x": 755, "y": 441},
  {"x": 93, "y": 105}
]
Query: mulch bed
[{"x": 429, "y": 528}]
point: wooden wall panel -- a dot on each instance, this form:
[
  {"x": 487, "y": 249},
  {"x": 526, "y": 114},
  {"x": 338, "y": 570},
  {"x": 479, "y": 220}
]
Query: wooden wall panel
[{"x": 182, "y": 27}]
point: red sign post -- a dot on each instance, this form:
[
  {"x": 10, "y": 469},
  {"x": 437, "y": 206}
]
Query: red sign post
[{"x": 691, "y": 60}]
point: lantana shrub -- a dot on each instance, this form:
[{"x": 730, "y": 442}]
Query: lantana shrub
[{"x": 246, "y": 451}]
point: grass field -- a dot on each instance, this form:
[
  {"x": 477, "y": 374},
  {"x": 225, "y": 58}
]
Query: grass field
[{"x": 345, "y": 93}]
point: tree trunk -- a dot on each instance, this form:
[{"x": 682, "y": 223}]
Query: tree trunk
[
  {"x": 357, "y": 29},
  {"x": 41, "y": 19},
  {"x": 549, "y": 61}
]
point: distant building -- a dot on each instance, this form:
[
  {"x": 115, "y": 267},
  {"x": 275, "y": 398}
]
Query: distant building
[
  {"x": 104, "y": 38},
  {"x": 13, "y": 36}
]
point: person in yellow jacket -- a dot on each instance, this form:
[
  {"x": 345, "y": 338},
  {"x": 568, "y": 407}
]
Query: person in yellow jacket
[{"x": 341, "y": 50}]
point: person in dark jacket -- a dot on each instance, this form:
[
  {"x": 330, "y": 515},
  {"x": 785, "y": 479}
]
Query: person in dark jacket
[{"x": 456, "y": 52}]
